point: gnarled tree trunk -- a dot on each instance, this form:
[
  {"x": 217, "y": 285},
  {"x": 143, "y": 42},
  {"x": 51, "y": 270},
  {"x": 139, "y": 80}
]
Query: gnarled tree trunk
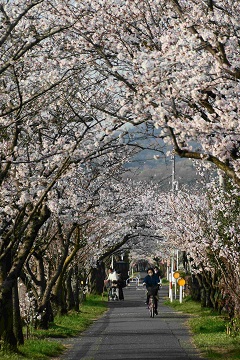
[
  {"x": 10, "y": 269},
  {"x": 97, "y": 276}
]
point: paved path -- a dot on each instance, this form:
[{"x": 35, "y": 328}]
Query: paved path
[{"x": 127, "y": 332}]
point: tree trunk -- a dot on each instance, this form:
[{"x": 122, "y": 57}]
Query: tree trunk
[
  {"x": 6, "y": 325},
  {"x": 76, "y": 288},
  {"x": 97, "y": 277},
  {"x": 203, "y": 297},
  {"x": 6, "y": 308},
  {"x": 10, "y": 269},
  {"x": 46, "y": 316},
  {"x": 17, "y": 322},
  {"x": 208, "y": 298},
  {"x": 69, "y": 291},
  {"x": 194, "y": 288},
  {"x": 59, "y": 298}
]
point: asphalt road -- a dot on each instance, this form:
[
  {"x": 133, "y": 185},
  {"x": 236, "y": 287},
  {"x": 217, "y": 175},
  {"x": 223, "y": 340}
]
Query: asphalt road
[{"x": 127, "y": 332}]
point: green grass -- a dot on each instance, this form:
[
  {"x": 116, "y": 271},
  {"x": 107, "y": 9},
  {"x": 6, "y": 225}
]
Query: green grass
[
  {"x": 209, "y": 331},
  {"x": 165, "y": 281},
  {"x": 45, "y": 344}
]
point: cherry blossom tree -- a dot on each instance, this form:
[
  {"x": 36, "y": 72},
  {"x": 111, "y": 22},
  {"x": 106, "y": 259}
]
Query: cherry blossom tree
[
  {"x": 175, "y": 64},
  {"x": 205, "y": 225},
  {"x": 71, "y": 74},
  {"x": 104, "y": 219},
  {"x": 62, "y": 198},
  {"x": 46, "y": 131}
]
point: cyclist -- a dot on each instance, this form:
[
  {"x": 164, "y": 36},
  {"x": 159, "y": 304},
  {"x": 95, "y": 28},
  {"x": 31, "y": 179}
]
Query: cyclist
[
  {"x": 158, "y": 273},
  {"x": 112, "y": 275},
  {"x": 152, "y": 284},
  {"x": 113, "y": 282}
]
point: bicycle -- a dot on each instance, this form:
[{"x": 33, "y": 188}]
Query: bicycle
[
  {"x": 113, "y": 292},
  {"x": 152, "y": 292}
]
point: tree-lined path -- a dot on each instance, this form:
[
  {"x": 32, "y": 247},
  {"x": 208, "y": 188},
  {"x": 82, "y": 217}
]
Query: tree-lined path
[
  {"x": 85, "y": 87},
  {"x": 127, "y": 332}
]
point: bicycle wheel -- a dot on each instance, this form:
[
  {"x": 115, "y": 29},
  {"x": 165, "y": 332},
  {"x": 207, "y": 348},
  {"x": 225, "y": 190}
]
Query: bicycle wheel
[
  {"x": 152, "y": 312},
  {"x": 110, "y": 294},
  {"x": 151, "y": 307}
]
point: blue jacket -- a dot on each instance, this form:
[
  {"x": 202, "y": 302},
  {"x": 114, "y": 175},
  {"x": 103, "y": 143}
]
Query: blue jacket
[{"x": 151, "y": 280}]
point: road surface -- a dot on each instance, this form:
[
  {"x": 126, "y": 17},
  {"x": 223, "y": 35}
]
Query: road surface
[{"x": 127, "y": 332}]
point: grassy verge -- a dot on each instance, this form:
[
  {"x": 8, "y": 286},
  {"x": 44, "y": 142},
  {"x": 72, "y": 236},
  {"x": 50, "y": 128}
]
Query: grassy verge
[
  {"x": 209, "y": 331},
  {"x": 46, "y": 344},
  {"x": 165, "y": 281}
]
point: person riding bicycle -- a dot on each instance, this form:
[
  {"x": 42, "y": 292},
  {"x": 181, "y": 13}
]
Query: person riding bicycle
[
  {"x": 112, "y": 275},
  {"x": 112, "y": 280},
  {"x": 158, "y": 273},
  {"x": 152, "y": 284}
]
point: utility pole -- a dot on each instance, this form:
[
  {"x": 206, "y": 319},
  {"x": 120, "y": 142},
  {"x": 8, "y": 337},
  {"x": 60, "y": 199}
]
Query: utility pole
[
  {"x": 174, "y": 189},
  {"x": 174, "y": 182}
]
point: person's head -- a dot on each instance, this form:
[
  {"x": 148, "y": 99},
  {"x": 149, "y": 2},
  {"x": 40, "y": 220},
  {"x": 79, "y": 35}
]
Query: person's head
[
  {"x": 156, "y": 269},
  {"x": 150, "y": 271},
  {"x": 110, "y": 270}
]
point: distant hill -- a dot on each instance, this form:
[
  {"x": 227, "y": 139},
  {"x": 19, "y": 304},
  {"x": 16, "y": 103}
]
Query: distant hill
[{"x": 145, "y": 167}]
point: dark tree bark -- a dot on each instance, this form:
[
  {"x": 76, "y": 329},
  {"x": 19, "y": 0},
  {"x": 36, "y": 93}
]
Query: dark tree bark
[
  {"x": 97, "y": 277},
  {"x": 46, "y": 316},
  {"x": 9, "y": 340},
  {"x": 69, "y": 290},
  {"x": 17, "y": 322},
  {"x": 193, "y": 287},
  {"x": 10, "y": 270},
  {"x": 60, "y": 299},
  {"x": 76, "y": 288}
]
